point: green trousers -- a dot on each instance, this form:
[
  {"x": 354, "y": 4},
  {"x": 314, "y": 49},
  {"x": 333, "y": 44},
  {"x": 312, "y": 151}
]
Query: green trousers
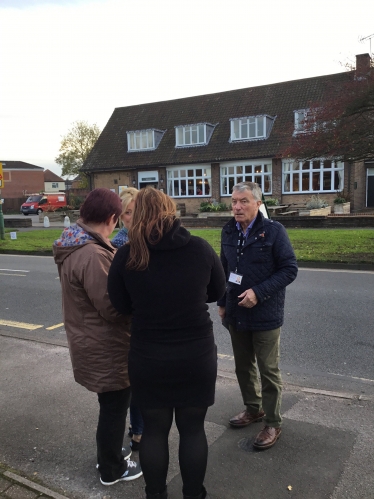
[{"x": 263, "y": 346}]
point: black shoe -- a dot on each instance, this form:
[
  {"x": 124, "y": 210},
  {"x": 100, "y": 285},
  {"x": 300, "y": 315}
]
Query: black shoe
[
  {"x": 202, "y": 495},
  {"x": 133, "y": 471},
  {"x": 161, "y": 495},
  {"x": 126, "y": 452}
]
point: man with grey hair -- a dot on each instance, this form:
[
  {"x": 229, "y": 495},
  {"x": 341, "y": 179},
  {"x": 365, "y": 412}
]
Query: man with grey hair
[{"x": 259, "y": 262}]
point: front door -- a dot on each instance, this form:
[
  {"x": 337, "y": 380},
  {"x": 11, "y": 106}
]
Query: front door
[
  {"x": 370, "y": 198},
  {"x": 148, "y": 184}
]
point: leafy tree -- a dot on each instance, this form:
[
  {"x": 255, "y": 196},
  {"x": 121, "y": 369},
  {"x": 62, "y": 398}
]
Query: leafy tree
[
  {"x": 342, "y": 126},
  {"x": 76, "y": 146}
]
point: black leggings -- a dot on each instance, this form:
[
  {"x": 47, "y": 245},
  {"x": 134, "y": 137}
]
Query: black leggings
[{"x": 193, "y": 448}]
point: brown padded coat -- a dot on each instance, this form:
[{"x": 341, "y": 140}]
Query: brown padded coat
[{"x": 98, "y": 336}]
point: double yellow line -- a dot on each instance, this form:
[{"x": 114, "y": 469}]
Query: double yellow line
[{"x": 25, "y": 325}]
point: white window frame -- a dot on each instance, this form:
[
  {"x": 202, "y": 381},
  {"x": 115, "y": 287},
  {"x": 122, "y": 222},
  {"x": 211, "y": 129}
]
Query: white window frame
[
  {"x": 302, "y": 174},
  {"x": 233, "y": 172},
  {"x": 184, "y": 178},
  {"x": 248, "y": 122},
  {"x": 301, "y": 120},
  {"x": 143, "y": 135},
  {"x": 188, "y": 130},
  {"x": 54, "y": 185}
]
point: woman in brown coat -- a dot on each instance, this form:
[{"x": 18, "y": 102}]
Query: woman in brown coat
[{"x": 97, "y": 334}]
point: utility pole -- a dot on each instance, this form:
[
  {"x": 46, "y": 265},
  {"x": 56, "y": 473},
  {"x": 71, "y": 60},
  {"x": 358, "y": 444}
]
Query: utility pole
[{"x": 2, "y": 231}]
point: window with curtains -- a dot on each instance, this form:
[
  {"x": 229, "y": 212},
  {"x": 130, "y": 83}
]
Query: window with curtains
[
  {"x": 319, "y": 175},
  {"x": 246, "y": 171},
  {"x": 144, "y": 140},
  {"x": 251, "y": 128},
  {"x": 193, "y": 135},
  {"x": 189, "y": 181}
]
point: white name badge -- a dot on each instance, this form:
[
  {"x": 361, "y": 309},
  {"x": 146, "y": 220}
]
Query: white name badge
[{"x": 235, "y": 278}]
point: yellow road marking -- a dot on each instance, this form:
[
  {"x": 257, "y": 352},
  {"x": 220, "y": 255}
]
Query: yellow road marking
[
  {"x": 55, "y": 327},
  {"x": 22, "y": 325},
  {"x": 14, "y": 275}
]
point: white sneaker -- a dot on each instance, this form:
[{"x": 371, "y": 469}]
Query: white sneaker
[
  {"x": 133, "y": 471},
  {"x": 126, "y": 452}
]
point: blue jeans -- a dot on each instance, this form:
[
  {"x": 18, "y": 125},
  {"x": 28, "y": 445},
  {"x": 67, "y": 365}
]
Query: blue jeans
[{"x": 136, "y": 420}]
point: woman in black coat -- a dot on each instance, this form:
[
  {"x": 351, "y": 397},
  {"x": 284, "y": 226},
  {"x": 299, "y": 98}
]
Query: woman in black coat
[{"x": 164, "y": 277}]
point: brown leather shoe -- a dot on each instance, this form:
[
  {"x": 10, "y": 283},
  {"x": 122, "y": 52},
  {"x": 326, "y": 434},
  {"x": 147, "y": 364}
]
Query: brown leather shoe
[
  {"x": 267, "y": 437},
  {"x": 245, "y": 418}
]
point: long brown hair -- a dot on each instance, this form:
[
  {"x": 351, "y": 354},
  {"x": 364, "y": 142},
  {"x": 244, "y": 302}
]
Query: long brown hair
[{"x": 154, "y": 215}]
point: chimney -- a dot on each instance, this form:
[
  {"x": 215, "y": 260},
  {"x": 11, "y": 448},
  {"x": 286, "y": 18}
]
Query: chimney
[{"x": 363, "y": 64}]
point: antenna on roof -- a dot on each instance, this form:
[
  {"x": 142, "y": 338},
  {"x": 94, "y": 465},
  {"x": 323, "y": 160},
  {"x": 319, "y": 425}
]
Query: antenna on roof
[{"x": 362, "y": 39}]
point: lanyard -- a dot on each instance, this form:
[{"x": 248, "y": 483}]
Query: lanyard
[{"x": 239, "y": 249}]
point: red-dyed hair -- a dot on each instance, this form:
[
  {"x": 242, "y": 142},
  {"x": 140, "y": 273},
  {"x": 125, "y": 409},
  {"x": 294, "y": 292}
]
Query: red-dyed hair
[{"x": 100, "y": 205}]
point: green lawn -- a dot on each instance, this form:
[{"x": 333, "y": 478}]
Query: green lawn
[
  {"x": 322, "y": 245},
  {"x": 311, "y": 245}
]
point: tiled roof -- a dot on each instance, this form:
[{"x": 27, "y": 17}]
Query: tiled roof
[
  {"x": 19, "y": 165},
  {"x": 279, "y": 99},
  {"x": 52, "y": 177}
]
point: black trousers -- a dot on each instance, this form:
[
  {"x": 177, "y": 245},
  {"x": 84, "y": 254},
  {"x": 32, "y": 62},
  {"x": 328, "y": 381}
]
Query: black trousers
[{"x": 110, "y": 433}]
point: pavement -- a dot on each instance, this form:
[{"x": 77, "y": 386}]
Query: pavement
[{"x": 48, "y": 424}]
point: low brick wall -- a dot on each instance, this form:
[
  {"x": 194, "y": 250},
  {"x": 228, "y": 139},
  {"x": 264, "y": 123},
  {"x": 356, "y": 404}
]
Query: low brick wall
[
  {"x": 330, "y": 222},
  {"x": 11, "y": 223}
]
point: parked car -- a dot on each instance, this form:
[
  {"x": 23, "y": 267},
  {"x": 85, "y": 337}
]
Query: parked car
[{"x": 37, "y": 203}]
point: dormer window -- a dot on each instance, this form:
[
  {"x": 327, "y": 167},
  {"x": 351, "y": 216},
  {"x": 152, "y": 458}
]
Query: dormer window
[
  {"x": 251, "y": 128},
  {"x": 144, "y": 140},
  {"x": 193, "y": 135},
  {"x": 302, "y": 121}
]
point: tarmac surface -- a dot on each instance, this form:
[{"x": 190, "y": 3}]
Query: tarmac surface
[{"x": 48, "y": 424}]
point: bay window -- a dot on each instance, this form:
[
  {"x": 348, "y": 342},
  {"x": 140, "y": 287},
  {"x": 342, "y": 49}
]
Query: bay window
[
  {"x": 189, "y": 181},
  {"x": 246, "y": 171},
  {"x": 312, "y": 176}
]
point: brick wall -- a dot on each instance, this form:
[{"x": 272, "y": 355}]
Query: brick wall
[
  {"x": 352, "y": 174},
  {"x": 112, "y": 180},
  {"x": 277, "y": 180},
  {"x": 21, "y": 183},
  {"x": 358, "y": 194}
]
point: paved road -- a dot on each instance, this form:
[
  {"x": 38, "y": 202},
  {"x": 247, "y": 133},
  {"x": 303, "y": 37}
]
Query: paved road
[{"x": 327, "y": 338}]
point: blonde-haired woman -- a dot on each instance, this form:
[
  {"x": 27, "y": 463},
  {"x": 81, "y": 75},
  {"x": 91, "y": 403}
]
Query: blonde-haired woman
[
  {"x": 165, "y": 277},
  {"x": 128, "y": 197}
]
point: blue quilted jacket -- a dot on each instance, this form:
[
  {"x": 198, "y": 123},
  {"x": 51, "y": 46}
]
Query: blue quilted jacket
[{"x": 268, "y": 265}]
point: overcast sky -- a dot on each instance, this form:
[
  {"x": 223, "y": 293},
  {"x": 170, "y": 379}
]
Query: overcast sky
[{"x": 63, "y": 61}]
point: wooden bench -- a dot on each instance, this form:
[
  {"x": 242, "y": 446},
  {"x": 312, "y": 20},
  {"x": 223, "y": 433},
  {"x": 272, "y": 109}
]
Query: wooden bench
[{"x": 276, "y": 209}]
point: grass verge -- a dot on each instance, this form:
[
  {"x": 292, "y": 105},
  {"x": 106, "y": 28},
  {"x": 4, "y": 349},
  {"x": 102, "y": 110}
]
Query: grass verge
[{"x": 321, "y": 246}]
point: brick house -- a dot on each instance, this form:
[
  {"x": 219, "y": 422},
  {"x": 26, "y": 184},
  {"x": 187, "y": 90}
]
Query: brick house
[
  {"x": 20, "y": 180},
  {"x": 198, "y": 147},
  {"x": 52, "y": 182}
]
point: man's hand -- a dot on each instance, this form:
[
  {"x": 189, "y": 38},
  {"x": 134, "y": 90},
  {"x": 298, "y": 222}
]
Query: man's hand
[
  {"x": 249, "y": 299},
  {"x": 222, "y": 312}
]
